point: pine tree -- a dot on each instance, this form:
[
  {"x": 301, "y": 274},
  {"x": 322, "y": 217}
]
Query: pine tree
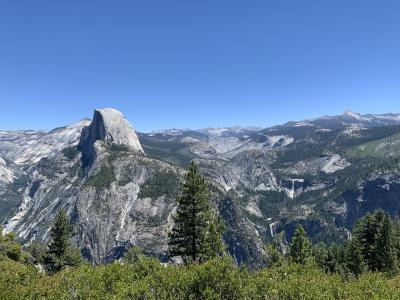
[
  {"x": 60, "y": 252},
  {"x": 274, "y": 256},
  {"x": 364, "y": 234},
  {"x": 386, "y": 248},
  {"x": 354, "y": 259},
  {"x": 38, "y": 251},
  {"x": 60, "y": 235},
  {"x": 300, "y": 247},
  {"x": 133, "y": 255},
  {"x": 378, "y": 242},
  {"x": 196, "y": 234}
]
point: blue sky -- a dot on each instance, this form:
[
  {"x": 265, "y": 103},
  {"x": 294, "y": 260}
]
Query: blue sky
[{"x": 194, "y": 64}]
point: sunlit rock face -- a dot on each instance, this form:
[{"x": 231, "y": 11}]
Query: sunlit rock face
[
  {"x": 108, "y": 125},
  {"x": 26, "y": 147}
]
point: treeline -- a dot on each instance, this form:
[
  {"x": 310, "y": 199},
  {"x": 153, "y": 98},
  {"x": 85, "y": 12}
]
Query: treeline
[
  {"x": 365, "y": 267},
  {"x": 374, "y": 246},
  {"x": 54, "y": 257}
]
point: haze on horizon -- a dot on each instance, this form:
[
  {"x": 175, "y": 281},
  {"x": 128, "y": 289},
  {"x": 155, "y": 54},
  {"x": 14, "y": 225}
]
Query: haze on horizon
[{"x": 181, "y": 64}]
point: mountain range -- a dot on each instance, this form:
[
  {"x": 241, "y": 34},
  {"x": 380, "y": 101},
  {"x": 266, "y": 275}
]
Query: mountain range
[{"x": 119, "y": 186}]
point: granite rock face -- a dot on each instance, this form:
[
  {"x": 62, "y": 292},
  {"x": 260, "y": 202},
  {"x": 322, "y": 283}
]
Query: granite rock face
[
  {"x": 109, "y": 125},
  {"x": 27, "y": 147},
  {"x": 108, "y": 216}
]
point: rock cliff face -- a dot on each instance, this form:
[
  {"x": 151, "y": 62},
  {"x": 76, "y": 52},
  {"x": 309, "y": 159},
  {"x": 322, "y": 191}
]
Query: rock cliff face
[
  {"x": 108, "y": 208},
  {"x": 108, "y": 125},
  {"x": 102, "y": 200},
  {"x": 6, "y": 174}
]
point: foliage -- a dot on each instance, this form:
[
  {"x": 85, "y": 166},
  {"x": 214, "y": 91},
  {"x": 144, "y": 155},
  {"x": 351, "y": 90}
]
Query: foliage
[
  {"x": 161, "y": 183},
  {"x": 37, "y": 250},
  {"x": 116, "y": 151},
  {"x": 376, "y": 241},
  {"x": 102, "y": 179},
  {"x": 300, "y": 247},
  {"x": 274, "y": 255},
  {"x": 197, "y": 232},
  {"x": 118, "y": 147},
  {"x": 9, "y": 248},
  {"x": 133, "y": 255},
  {"x": 70, "y": 152},
  {"x": 166, "y": 150},
  {"x": 60, "y": 253},
  {"x": 374, "y": 247},
  {"x": 218, "y": 278}
]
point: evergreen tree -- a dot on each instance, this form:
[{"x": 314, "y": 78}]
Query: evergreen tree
[
  {"x": 386, "y": 252},
  {"x": 396, "y": 239},
  {"x": 38, "y": 251},
  {"x": 60, "y": 252},
  {"x": 196, "y": 234},
  {"x": 336, "y": 259},
  {"x": 354, "y": 259},
  {"x": 133, "y": 255},
  {"x": 60, "y": 235},
  {"x": 300, "y": 247},
  {"x": 274, "y": 256},
  {"x": 374, "y": 237}
]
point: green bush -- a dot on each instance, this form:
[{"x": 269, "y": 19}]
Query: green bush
[
  {"x": 220, "y": 278},
  {"x": 9, "y": 248}
]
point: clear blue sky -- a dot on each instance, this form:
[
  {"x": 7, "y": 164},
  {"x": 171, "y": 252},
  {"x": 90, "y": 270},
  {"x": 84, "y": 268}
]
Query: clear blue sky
[{"x": 194, "y": 64}]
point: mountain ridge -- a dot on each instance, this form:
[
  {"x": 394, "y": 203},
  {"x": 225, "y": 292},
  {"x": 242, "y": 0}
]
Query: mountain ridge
[{"x": 263, "y": 182}]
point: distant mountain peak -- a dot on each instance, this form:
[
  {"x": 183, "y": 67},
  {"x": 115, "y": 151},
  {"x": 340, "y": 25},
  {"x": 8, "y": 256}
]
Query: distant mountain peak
[{"x": 351, "y": 114}]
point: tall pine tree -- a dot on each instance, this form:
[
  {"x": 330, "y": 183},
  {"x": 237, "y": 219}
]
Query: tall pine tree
[
  {"x": 386, "y": 252},
  {"x": 300, "y": 247},
  {"x": 60, "y": 252},
  {"x": 377, "y": 241},
  {"x": 354, "y": 259},
  {"x": 196, "y": 234}
]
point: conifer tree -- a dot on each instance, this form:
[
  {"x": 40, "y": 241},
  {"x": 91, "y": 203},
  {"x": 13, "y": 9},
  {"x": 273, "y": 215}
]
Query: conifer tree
[
  {"x": 387, "y": 260},
  {"x": 377, "y": 242},
  {"x": 196, "y": 234},
  {"x": 300, "y": 247},
  {"x": 364, "y": 235},
  {"x": 60, "y": 252},
  {"x": 354, "y": 259},
  {"x": 274, "y": 257},
  {"x": 38, "y": 251}
]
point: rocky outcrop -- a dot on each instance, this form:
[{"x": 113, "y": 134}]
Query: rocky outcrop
[
  {"x": 6, "y": 174},
  {"x": 108, "y": 209},
  {"x": 108, "y": 125}
]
